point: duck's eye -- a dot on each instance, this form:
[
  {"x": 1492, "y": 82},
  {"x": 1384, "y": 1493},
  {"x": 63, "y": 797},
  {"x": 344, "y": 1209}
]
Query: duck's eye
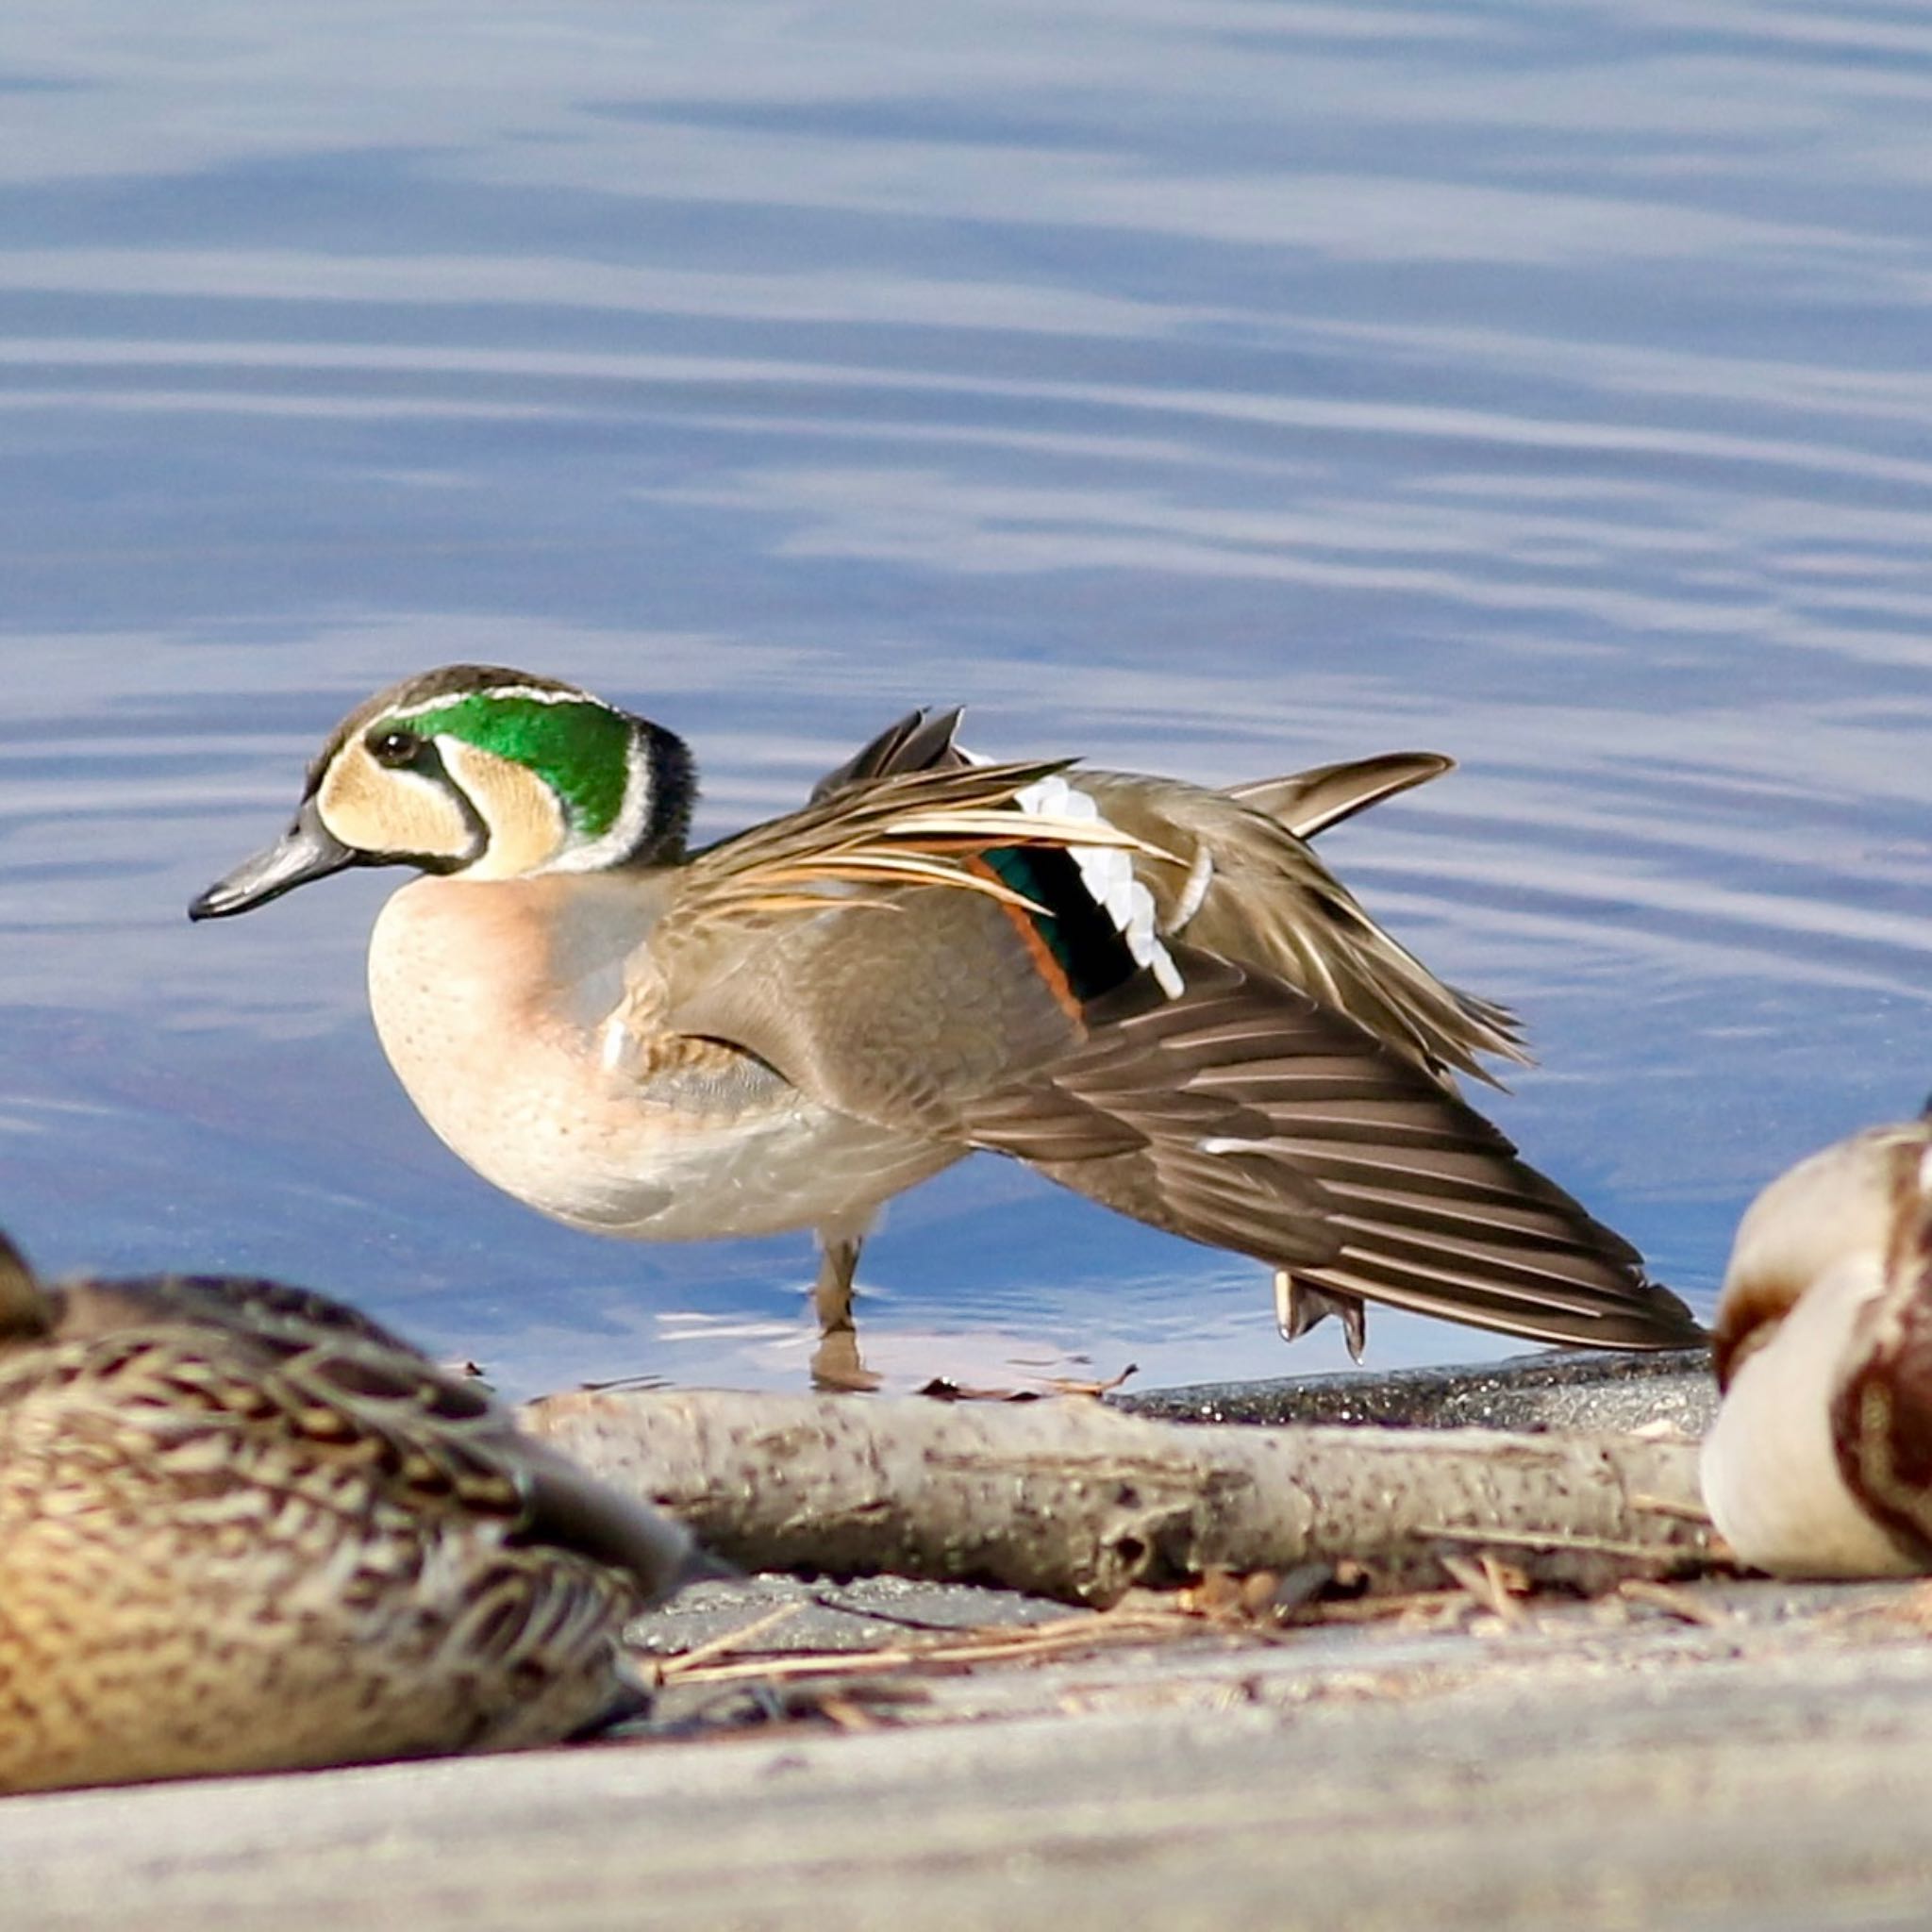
[{"x": 394, "y": 748}]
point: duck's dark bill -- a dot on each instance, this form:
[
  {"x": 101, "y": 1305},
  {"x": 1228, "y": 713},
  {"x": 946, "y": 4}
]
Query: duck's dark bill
[{"x": 307, "y": 850}]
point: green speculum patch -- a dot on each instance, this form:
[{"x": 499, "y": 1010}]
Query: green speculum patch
[
  {"x": 1090, "y": 949},
  {"x": 578, "y": 748}
]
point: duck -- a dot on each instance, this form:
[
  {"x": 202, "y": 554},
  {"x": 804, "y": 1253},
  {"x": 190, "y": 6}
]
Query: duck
[
  {"x": 1150, "y": 992},
  {"x": 1819, "y": 1463},
  {"x": 245, "y": 1528}
]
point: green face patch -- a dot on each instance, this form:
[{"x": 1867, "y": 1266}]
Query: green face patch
[{"x": 580, "y": 748}]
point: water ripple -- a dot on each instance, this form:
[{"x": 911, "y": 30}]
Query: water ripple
[{"x": 1216, "y": 389}]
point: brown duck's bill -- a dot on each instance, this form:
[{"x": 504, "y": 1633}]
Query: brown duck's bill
[{"x": 307, "y": 850}]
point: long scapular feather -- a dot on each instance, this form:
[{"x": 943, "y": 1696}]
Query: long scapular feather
[
  {"x": 1009, "y": 827},
  {"x": 916, "y": 827},
  {"x": 890, "y": 867}
]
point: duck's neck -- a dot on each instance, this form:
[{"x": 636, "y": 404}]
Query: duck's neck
[{"x": 674, "y": 790}]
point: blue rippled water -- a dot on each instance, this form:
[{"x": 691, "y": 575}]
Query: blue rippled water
[{"x": 1217, "y": 387}]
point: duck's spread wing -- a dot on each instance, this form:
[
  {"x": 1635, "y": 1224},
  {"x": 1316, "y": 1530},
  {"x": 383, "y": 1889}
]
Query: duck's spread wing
[
  {"x": 1241, "y": 1114},
  {"x": 1270, "y": 1125},
  {"x": 922, "y": 958}
]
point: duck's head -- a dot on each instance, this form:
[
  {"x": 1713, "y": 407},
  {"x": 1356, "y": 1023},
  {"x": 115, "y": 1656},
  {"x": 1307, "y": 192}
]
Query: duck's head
[
  {"x": 26, "y": 1313},
  {"x": 480, "y": 773},
  {"x": 1859, "y": 1208}
]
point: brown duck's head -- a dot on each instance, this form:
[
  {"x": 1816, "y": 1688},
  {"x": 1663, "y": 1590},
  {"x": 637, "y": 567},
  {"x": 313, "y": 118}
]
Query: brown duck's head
[
  {"x": 26, "y": 1313},
  {"x": 1849, "y": 1206}
]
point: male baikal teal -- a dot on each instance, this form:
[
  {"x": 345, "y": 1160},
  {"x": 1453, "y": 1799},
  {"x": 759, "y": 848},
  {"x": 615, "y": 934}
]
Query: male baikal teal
[{"x": 1152, "y": 992}]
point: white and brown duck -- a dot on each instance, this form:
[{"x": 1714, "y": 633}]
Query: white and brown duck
[{"x": 1820, "y": 1462}]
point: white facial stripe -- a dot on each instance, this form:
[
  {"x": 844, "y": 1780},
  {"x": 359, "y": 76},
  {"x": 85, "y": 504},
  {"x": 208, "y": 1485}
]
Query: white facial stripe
[
  {"x": 569, "y": 695},
  {"x": 1108, "y": 872},
  {"x": 627, "y": 828}
]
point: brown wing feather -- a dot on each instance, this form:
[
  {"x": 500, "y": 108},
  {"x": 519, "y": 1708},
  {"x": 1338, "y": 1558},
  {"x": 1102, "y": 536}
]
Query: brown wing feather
[
  {"x": 448, "y": 1437},
  {"x": 25, "y": 1312},
  {"x": 814, "y": 943},
  {"x": 1272, "y": 1125},
  {"x": 1308, "y": 803},
  {"x": 895, "y": 1009},
  {"x": 1269, "y": 902}
]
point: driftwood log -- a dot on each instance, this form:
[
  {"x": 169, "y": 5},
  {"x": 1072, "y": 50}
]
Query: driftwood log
[{"x": 1068, "y": 1499}]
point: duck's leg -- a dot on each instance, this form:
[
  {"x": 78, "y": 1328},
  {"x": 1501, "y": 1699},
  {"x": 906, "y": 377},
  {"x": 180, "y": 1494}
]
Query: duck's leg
[
  {"x": 835, "y": 1363},
  {"x": 1299, "y": 1305},
  {"x": 831, "y": 1295},
  {"x": 837, "y": 1366}
]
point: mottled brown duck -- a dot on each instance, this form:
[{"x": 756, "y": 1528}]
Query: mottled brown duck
[{"x": 243, "y": 1528}]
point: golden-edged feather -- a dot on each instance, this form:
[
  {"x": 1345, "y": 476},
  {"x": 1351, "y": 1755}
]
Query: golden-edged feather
[{"x": 917, "y": 828}]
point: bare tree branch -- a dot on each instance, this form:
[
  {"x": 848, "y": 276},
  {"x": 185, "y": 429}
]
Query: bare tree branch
[{"x": 1071, "y": 1500}]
